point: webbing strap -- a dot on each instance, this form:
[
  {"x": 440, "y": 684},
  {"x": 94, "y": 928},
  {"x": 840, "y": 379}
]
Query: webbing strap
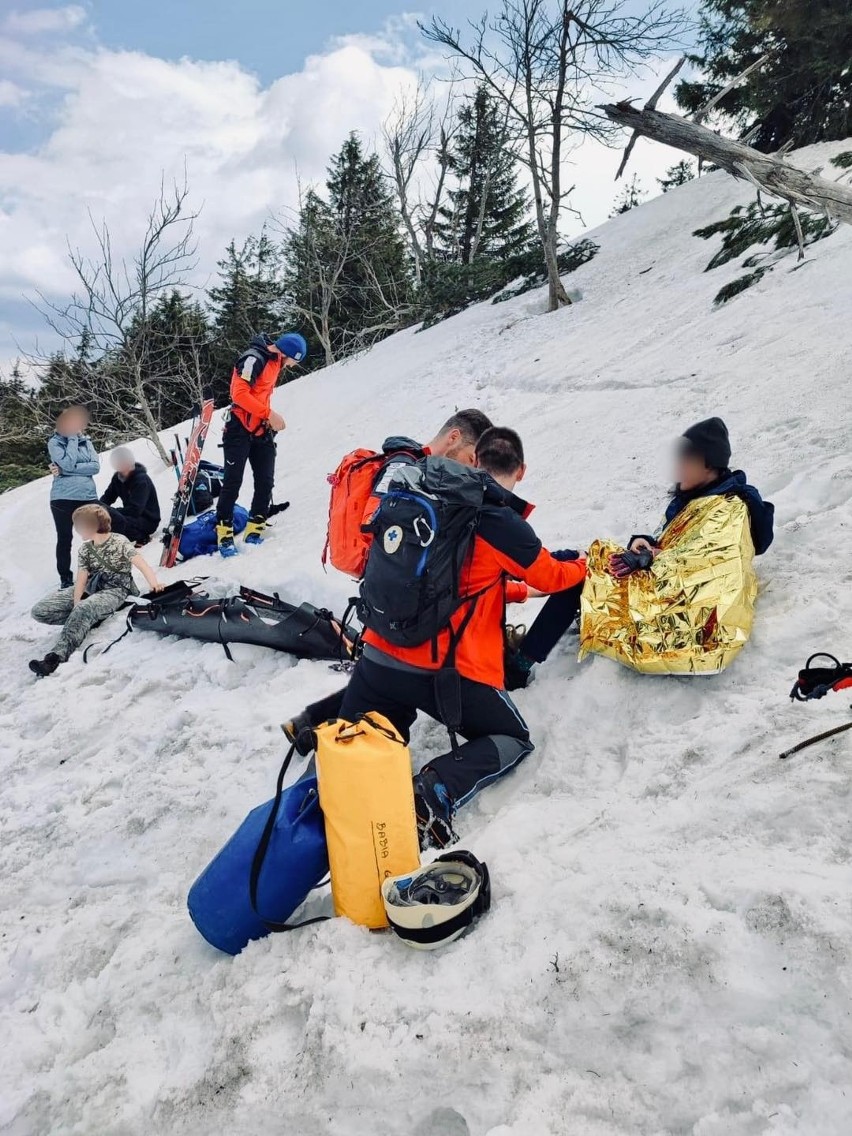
[
  {"x": 439, "y": 931},
  {"x": 263, "y": 848},
  {"x": 128, "y": 628},
  {"x": 449, "y": 686}
]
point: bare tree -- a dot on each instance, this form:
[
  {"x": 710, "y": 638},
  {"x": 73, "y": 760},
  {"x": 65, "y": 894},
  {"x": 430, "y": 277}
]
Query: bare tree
[
  {"x": 430, "y": 211},
  {"x": 542, "y": 59},
  {"x": 418, "y": 136},
  {"x": 113, "y": 312},
  {"x": 408, "y": 135}
]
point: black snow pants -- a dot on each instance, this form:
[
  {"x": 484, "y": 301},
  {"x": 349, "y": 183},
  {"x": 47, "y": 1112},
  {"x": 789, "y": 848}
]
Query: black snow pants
[{"x": 259, "y": 451}]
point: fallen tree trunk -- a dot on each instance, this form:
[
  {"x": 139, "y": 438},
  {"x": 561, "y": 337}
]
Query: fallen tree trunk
[{"x": 767, "y": 171}]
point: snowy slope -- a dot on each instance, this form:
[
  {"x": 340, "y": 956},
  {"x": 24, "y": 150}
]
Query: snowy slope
[{"x": 669, "y": 950}]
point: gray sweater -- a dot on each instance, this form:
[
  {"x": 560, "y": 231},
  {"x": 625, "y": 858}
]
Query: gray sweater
[{"x": 78, "y": 463}]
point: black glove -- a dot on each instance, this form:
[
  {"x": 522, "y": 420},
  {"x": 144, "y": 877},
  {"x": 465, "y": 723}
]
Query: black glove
[{"x": 624, "y": 564}]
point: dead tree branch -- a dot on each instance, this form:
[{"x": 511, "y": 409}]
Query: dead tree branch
[
  {"x": 770, "y": 172},
  {"x": 649, "y": 105}
]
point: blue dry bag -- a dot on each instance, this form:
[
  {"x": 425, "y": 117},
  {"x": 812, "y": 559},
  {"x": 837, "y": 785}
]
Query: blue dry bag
[{"x": 295, "y": 861}]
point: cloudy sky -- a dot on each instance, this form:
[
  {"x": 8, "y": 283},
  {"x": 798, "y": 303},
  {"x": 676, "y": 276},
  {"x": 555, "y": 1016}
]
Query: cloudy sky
[{"x": 100, "y": 100}]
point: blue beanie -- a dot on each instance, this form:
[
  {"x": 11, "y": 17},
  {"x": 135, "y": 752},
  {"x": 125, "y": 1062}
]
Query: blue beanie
[{"x": 293, "y": 346}]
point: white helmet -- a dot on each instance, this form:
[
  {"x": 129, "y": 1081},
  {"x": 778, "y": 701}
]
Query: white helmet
[{"x": 436, "y": 904}]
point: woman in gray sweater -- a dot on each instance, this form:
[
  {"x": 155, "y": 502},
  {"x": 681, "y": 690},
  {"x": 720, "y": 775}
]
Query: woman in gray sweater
[{"x": 73, "y": 463}]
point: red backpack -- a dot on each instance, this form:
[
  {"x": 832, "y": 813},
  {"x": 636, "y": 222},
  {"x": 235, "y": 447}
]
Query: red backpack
[{"x": 346, "y": 546}]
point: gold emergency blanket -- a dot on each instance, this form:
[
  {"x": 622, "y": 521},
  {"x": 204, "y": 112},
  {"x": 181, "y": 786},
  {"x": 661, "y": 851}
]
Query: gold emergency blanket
[{"x": 692, "y": 612}]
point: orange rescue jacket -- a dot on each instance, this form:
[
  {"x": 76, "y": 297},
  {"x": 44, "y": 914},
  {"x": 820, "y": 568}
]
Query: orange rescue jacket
[
  {"x": 253, "y": 380},
  {"x": 506, "y": 558}
]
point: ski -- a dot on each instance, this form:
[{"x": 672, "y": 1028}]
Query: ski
[{"x": 186, "y": 484}]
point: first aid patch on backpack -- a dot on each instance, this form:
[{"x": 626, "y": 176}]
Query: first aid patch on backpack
[
  {"x": 423, "y": 532},
  {"x": 392, "y": 539}
]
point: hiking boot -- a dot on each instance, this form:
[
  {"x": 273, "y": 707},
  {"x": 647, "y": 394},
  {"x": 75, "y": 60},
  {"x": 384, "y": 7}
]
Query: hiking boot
[
  {"x": 300, "y": 732},
  {"x": 225, "y": 539},
  {"x": 46, "y": 666},
  {"x": 255, "y": 529},
  {"x": 518, "y": 669},
  {"x": 434, "y": 811}
]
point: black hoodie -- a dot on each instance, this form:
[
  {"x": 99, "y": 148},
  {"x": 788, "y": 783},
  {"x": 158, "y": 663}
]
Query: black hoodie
[{"x": 138, "y": 498}]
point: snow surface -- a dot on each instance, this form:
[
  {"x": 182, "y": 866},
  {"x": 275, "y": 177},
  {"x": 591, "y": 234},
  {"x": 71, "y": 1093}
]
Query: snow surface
[{"x": 669, "y": 947}]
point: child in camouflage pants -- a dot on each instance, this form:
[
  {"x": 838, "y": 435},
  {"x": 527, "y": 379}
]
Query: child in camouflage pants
[{"x": 103, "y": 583}]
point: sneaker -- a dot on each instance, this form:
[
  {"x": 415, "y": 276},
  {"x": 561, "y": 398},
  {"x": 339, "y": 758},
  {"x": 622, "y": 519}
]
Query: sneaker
[
  {"x": 255, "y": 529},
  {"x": 225, "y": 540},
  {"x": 46, "y": 666},
  {"x": 300, "y": 733},
  {"x": 518, "y": 670},
  {"x": 434, "y": 811}
]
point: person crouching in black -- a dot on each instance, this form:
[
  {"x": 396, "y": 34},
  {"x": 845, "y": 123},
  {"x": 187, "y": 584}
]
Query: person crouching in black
[{"x": 138, "y": 516}]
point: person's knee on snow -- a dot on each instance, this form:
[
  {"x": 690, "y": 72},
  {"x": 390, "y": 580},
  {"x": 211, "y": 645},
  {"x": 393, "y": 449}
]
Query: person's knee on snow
[
  {"x": 398, "y": 673},
  {"x": 53, "y": 608},
  {"x": 138, "y": 515}
]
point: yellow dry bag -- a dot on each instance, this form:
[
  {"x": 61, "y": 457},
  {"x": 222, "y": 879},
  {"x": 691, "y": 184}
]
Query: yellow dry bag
[{"x": 367, "y": 800}]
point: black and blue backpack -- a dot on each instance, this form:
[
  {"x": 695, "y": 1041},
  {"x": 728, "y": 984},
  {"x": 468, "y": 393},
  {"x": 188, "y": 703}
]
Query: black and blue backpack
[
  {"x": 208, "y": 486},
  {"x": 423, "y": 533}
]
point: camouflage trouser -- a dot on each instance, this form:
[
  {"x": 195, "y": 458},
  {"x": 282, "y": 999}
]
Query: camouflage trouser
[{"x": 78, "y": 621}]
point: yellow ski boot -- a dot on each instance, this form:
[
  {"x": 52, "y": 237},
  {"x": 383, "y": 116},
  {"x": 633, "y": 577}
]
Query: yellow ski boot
[
  {"x": 255, "y": 529},
  {"x": 225, "y": 540}
]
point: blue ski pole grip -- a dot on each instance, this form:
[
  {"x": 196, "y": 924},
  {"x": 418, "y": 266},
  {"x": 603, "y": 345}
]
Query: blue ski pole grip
[{"x": 296, "y": 861}]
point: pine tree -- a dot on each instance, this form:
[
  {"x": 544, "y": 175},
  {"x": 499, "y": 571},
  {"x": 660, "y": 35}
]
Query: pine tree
[
  {"x": 251, "y": 298},
  {"x": 179, "y": 358},
  {"x": 347, "y": 270},
  {"x": 488, "y": 214},
  {"x": 629, "y": 198},
  {"x": 23, "y": 437},
  {"x": 314, "y": 258},
  {"x": 800, "y": 94},
  {"x": 376, "y": 277},
  {"x": 676, "y": 175}
]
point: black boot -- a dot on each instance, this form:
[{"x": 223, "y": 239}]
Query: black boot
[
  {"x": 300, "y": 732},
  {"x": 46, "y": 666},
  {"x": 518, "y": 670}
]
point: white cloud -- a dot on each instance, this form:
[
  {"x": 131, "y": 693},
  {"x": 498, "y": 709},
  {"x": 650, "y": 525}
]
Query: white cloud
[
  {"x": 122, "y": 120},
  {"x": 11, "y": 94},
  {"x": 127, "y": 119},
  {"x": 44, "y": 21}
]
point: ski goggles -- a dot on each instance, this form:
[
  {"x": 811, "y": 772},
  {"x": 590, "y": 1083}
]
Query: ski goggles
[{"x": 435, "y": 905}]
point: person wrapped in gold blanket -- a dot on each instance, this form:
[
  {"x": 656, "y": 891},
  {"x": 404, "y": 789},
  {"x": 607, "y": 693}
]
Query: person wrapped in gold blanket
[{"x": 679, "y": 601}]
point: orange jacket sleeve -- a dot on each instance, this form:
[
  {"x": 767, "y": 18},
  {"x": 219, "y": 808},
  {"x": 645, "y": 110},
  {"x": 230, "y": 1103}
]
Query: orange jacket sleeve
[
  {"x": 545, "y": 573},
  {"x": 516, "y": 591}
]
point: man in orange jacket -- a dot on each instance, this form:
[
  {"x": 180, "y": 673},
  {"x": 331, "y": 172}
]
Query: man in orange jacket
[
  {"x": 397, "y": 682},
  {"x": 249, "y": 434}
]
